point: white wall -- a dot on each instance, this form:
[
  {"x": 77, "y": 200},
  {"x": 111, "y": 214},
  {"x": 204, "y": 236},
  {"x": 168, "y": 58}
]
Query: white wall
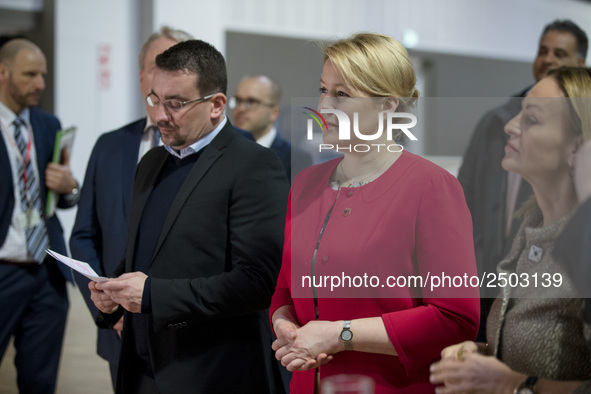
[
  {"x": 501, "y": 28},
  {"x": 22, "y": 5},
  {"x": 507, "y": 29},
  {"x": 204, "y": 19},
  {"x": 82, "y": 28}
]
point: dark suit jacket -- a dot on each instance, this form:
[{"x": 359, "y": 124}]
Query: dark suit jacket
[
  {"x": 214, "y": 269},
  {"x": 291, "y": 154},
  {"x": 45, "y": 128},
  {"x": 99, "y": 236}
]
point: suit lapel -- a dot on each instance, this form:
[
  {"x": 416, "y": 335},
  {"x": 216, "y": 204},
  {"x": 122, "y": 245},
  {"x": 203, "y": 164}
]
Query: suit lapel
[
  {"x": 277, "y": 143},
  {"x": 6, "y": 192},
  {"x": 131, "y": 143},
  {"x": 209, "y": 156},
  {"x": 43, "y": 150},
  {"x": 5, "y": 168}
]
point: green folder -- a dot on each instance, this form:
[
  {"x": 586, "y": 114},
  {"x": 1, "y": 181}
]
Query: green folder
[{"x": 64, "y": 140}]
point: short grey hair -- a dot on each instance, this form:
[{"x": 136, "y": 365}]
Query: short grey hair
[{"x": 167, "y": 32}]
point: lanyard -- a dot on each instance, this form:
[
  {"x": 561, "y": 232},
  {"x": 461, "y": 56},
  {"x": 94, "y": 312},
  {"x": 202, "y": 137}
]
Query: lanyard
[{"x": 22, "y": 160}]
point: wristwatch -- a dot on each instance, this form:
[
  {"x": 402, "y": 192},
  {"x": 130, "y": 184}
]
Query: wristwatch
[
  {"x": 347, "y": 335},
  {"x": 527, "y": 387}
]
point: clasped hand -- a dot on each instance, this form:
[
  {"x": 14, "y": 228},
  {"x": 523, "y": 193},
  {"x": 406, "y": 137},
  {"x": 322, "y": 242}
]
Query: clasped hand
[
  {"x": 126, "y": 290},
  {"x": 463, "y": 370},
  {"x": 302, "y": 348}
]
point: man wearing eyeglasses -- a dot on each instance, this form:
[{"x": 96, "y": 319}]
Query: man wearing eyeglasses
[
  {"x": 204, "y": 246},
  {"x": 255, "y": 108},
  {"x": 99, "y": 236}
]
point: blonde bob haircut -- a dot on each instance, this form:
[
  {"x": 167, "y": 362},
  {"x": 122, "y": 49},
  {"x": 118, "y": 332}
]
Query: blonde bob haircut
[{"x": 375, "y": 64}]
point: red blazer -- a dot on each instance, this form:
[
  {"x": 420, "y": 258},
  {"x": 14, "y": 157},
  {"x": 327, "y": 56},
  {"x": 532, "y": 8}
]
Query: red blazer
[{"x": 411, "y": 221}]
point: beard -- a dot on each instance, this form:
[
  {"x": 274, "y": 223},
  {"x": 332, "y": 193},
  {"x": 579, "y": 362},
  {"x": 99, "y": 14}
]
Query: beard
[
  {"x": 169, "y": 138},
  {"x": 23, "y": 99}
]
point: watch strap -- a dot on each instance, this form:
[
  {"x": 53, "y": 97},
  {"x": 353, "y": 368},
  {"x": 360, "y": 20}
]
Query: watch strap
[
  {"x": 529, "y": 384},
  {"x": 347, "y": 335}
]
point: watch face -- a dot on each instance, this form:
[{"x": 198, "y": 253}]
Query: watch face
[
  {"x": 525, "y": 390},
  {"x": 346, "y": 335}
]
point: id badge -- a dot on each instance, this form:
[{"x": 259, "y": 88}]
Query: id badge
[{"x": 29, "y": 218}]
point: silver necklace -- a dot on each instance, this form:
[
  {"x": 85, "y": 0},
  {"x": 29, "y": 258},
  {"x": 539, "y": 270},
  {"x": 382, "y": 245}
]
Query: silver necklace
[{"x": 362, "y": 181}]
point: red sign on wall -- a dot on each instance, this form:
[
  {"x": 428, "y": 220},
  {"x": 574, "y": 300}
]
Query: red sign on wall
[{"x": 104, "y": 66}]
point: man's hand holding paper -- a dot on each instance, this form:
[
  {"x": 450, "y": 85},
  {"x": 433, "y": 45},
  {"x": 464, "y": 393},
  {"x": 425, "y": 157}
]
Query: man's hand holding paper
[
  {"x": 76, "y": 265},
  {"x": 126, "y": 290},
  {"x": 102, "y": 300}
]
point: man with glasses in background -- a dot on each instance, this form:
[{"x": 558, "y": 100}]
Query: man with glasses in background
[
  {"x": 255, "y": 108},
  {"x": 205, "y": 243}
]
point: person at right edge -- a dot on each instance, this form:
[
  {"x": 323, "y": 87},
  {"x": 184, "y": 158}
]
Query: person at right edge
[
  {"x": 492, "y": 193},
  {"x": 537, "y": 337},
  {"x": 380, "y": 213}
]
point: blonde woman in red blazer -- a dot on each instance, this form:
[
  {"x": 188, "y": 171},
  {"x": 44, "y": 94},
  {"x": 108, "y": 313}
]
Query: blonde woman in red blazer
[{"x": 371, "y": 216}]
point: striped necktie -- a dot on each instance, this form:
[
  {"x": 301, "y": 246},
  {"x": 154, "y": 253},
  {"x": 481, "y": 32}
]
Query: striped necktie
[{"x": 37, "y": 239}]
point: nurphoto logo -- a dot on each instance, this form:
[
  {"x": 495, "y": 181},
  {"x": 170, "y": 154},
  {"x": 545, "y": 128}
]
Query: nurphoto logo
[{"x": 345, "y": 129}]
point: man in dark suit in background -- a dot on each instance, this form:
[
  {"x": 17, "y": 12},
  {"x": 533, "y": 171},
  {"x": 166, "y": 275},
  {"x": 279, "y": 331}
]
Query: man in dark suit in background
[
  {"x": 99, "y": 236},
  {"x": 256, "y": 108},
  {"x": 204, "y": 246},
  {"x": 33, "y": 298},
  {"x": 493, "y": 194}
]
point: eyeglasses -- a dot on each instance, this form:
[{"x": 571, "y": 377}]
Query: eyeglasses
[
  {"x": 174, "y": 105},
  {"x": 248, "y": 103}
]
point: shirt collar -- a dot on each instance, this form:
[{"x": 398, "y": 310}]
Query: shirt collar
[
  {"x": 7, "y": 116},
  {"x": 267, "y": 139},
  {"x": 200, "y": 144}
]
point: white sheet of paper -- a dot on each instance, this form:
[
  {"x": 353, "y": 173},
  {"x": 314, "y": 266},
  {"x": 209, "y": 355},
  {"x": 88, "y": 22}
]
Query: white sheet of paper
[{"x": 78, "y": 266}]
